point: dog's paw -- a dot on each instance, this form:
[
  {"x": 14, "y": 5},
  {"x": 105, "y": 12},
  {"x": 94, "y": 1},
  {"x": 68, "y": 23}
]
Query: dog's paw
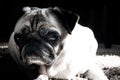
[{"x": 42, "y": 77}]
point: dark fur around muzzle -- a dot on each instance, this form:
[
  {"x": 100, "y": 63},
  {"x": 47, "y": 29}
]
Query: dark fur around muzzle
[{"x": 37, "y": 52}]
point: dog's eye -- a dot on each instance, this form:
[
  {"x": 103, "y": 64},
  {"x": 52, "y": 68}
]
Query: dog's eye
[
  {"x": 53, "y": 37},
  {"x": 18, "y": 38}
]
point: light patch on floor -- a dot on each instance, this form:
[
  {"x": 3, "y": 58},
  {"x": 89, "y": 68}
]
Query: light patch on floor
[{"x": 108, "y": 61}]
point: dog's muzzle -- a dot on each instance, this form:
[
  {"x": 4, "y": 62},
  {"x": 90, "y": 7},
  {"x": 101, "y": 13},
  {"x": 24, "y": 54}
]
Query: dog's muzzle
[{"x": 38, "y": 53}]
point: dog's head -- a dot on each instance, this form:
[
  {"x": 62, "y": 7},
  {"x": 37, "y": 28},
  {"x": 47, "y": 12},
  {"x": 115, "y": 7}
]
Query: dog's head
[{"x": 39, "y": 34}]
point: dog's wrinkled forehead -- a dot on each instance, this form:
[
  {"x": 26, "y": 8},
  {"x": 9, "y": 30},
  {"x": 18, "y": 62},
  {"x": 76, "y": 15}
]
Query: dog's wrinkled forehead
[
  {"x": 35, "y": 17},
  {"x": 34, "y": 12}
]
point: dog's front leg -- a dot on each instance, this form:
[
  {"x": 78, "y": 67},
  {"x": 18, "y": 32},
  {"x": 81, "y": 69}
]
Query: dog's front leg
[
  {"x": 42, "y": 77},
  {"x": 95, "y": 73}
]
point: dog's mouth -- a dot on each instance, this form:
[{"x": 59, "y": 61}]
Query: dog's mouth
[
  {"x": 44, "y": 60},
  {"x": 30, "y": 60}
]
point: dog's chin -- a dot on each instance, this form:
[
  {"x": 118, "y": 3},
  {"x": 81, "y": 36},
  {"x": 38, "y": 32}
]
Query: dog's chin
[{"x": 35, "y": 60}]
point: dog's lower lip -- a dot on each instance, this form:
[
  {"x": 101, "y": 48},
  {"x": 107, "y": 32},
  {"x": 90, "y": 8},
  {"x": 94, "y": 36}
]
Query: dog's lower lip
[
  {"x": 33, "y": 60},
  {"x": 29, "y": 60}
]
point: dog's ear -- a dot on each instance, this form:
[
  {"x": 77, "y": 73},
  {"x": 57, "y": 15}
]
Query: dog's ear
[
  {"x": 27, "y": 9},
  {"x": 68, "y": 18}
]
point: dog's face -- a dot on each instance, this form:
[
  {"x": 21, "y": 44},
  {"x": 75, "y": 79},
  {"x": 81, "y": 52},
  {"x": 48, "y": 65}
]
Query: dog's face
[{"x": 39, "y": 35}]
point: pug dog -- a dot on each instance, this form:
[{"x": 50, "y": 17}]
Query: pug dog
[{"x": 53, "y": 40}]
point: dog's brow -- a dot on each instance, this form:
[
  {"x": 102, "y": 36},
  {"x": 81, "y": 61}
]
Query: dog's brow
[
  {"x": 34, "y": 22},
  {"x": 36, "y": 19}
]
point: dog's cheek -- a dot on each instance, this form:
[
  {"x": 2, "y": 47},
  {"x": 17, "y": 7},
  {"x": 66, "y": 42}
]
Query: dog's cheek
[
  {"x": 14, "y": 50},
  {"x": 56, "y": 49}
]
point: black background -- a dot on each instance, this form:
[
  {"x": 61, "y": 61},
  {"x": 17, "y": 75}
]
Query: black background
[{"x": 101, "y": 16}]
